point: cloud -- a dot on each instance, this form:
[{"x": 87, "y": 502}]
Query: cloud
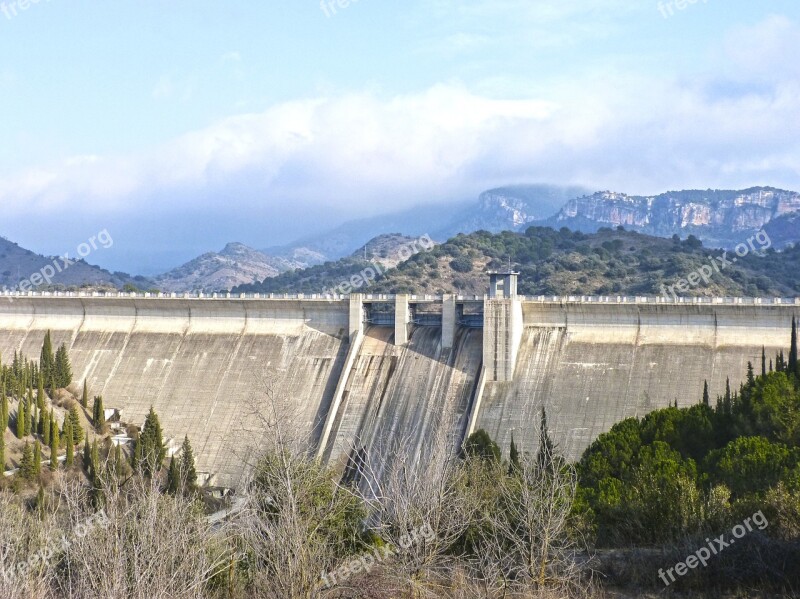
[{"x": 366, "y": 152}]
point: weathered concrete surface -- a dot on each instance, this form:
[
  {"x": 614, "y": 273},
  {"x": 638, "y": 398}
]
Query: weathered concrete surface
[
  {"x": 196, "y": 362},
  {"x": 594, "y": 365},
  {"x": 199, "y": 361},
  {"x": 401, "y": 394}
]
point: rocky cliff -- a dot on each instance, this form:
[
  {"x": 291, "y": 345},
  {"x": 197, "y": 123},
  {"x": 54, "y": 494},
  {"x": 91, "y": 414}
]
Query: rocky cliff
[{"x": 718, "y": 217}]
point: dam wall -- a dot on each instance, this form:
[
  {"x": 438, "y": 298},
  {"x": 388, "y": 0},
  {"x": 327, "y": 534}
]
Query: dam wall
[
  {"x": 200, "y": 363},
  {"x": 345, "y": 382},
  {"x": 591, "y": 365}
]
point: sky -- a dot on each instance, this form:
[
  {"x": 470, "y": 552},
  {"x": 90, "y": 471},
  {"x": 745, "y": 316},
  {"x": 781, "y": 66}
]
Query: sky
[{"x": 181, "y": 125}]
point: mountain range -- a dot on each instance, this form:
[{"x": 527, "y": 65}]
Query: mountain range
[{"x": 718, "y": 218}]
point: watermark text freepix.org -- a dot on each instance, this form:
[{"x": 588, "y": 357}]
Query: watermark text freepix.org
[
  {"x": 44, "y": 555},
  {"x": 329, "y": 6},
  {"x": 667, "y": 8},
  {"x": 714, "y": 547},
  {"x": 370, "y": 274},
  {"x": 46, "y": 274},
  {"x": 716, "y": 265},
  {"x": 12, "y": 9},
  {"x": 365, "y": 562}
]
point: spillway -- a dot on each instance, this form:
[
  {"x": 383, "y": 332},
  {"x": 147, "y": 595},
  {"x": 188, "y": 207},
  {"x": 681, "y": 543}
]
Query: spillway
[{"x": 401, "y": 396}]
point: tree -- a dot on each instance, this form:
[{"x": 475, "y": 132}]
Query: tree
[
  {"x": 706, "y": 398},
  {"x": 40, "y": 392},
  {"x": 3, "y": 410},
  {"x": 763, "y": 361},
  {"x": 99, "y": 414},
  {"x": 136, "y": 455},
  {"x": 531, "y": 529},
  {"x": 794, "y": 364},
  {"x": 68, "y": 439},
  {"x": 21, "y": 417},
  {"x": 188, "y": 471},
  {"x": 37, "y": 458},
  {"x": 182, "y": 475},
  {"x": 94, "y": 461},
  {"x": 46, "y": 359},
  {"x": 480, "y": 444},
  {"x": 173, "y": 478},
  {"x": 30, "y": 413},
  {"x": 63, "y": 370},
  {"x": 26, "y": 468},
  {"x": 87, "y": 455},
  {"x": 2, "y": 453},
  {"x": 513, "y": 457},
  {"x": 547, "y": 448},
  {"x": 75, "y": 421},
  {"x": 152, "y": 440},
  {"x": 54, "y": 445},
  {"x": 85, "y": 394},
  {"x": 46, "y": 426}
]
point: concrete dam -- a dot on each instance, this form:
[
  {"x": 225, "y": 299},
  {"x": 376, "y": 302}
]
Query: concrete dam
[{"x": 361, "y": 373}]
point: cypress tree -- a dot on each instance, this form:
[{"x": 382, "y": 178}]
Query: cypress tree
[
  {"x": 794, "y": 367},
  {"x": 87, "y": 455},
  {"x": 513, "y": 455},
  {"x": 28, "y": 412},
  {"x": 4, "y": 411},
  {"x": 75, "y": 420},
  {"x": 99, "y": 418},
  {"x": 188, "y": 471},
  {"x": 26, "y": 470},
  {"x": 546, "y": 448},
  {"x": 751, "y": 378},
  {"x": 728, "y": 403},
  {"x": 54, "y": 445},
  {"x": 763, "y": 361},
  {"x": 68, "y": 439},
  {"x": 40, "y": 392},
  {"x": 706, "y": 398},
  {"x": 46, "y": 359},
  {"x": 2, "y": 453},
  {"x": 63, "y": 370},
  {"x": 40, "y": 428},
  {"x": 85, "y": 395},
  {"x": 94, "y": 466},
  {"x": 173, "y": 477},
  {"x": 152, "y": 439},
  {"x": 47, "y": 419},
  {"x": 136, "y": 456},
  {"x": 37, "y": 458},
  {"x": 21, "y": 417}
]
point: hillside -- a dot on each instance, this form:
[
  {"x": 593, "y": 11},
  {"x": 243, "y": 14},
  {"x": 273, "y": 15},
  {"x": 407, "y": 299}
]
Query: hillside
[
  {"x": 18, "y": 264},
  {"x": 235, "y": 265},
  {"x": 559, "y": 263}
]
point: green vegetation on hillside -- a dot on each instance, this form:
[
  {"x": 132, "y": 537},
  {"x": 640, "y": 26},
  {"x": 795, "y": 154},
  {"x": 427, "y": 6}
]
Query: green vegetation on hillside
[{"x": 559, "y": 263}]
